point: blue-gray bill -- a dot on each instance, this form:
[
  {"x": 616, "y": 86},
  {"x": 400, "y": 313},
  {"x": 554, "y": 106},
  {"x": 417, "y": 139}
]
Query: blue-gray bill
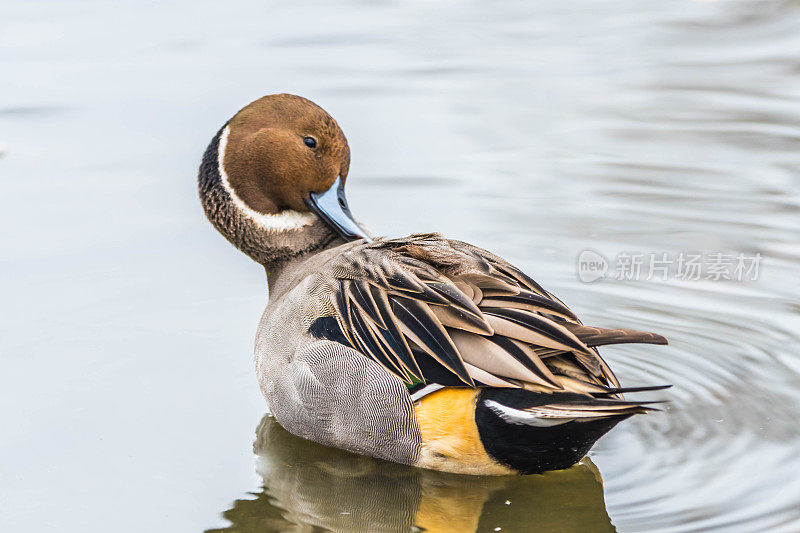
[{"x": 331, "y": 205}]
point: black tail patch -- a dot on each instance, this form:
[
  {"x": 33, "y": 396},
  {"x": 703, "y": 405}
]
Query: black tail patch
[{"x": 532, "y": 449}]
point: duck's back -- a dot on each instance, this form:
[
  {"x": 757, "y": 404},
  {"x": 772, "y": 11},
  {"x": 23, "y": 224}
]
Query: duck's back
[{"x": 434, "y": 352}]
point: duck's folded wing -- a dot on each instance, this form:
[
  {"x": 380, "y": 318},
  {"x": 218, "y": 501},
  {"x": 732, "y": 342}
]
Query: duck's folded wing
[{"x": 432, "y": 310}]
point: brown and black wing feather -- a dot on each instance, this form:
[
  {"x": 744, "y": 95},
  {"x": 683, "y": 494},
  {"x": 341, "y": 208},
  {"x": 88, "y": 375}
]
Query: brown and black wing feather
[{"x": 433, "y": 310}]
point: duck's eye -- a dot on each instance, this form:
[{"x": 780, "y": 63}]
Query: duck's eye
[{"x": 311, "y": 142}]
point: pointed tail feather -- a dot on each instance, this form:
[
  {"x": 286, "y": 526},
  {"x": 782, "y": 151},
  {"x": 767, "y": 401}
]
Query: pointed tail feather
[{"x": 625, "y": 390}]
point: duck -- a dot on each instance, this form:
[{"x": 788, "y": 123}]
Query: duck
[{"x": 421, "y": 350}]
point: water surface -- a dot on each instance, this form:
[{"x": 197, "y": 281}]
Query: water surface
[{"x": 534, "y": 129}]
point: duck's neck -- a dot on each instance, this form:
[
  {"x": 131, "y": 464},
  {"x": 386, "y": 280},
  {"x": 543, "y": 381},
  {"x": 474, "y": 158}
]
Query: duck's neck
[
  {"x": 283, "y": 277},
  {"x": 272, "y": 240}
]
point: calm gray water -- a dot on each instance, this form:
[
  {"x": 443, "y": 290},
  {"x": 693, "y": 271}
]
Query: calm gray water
[{"x": 535, "y": 129}]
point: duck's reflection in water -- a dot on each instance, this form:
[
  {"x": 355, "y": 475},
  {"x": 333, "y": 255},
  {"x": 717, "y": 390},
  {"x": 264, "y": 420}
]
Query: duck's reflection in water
[{"x": 309, "y": 487}]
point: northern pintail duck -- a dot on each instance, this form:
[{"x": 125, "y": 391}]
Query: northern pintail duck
[{"x": 421, "y": 350}]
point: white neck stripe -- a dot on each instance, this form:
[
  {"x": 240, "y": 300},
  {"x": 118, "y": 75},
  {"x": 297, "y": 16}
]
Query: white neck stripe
[{"x": 283, "y": 221}]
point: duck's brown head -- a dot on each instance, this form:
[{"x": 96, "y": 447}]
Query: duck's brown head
[{"x": 272, "y": 180}]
